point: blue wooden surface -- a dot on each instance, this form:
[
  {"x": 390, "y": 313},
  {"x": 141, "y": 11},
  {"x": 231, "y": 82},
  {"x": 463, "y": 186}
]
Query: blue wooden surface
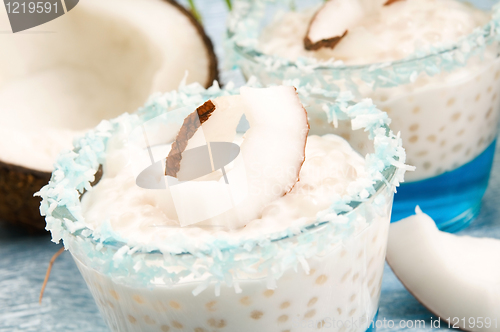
[{"x": 68, "y": 305}]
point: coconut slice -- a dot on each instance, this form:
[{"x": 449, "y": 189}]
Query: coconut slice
[
  {"x": 332, "y": 22},
  {"x": 99, "y": 60},
  {"x": 453, "y": 276},
  {"x": 266, "y": 168},
  {"x": 335, "y": 18}
]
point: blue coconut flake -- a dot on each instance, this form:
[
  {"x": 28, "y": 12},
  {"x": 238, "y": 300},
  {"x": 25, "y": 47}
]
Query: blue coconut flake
[{"x": 219, "y": 260}]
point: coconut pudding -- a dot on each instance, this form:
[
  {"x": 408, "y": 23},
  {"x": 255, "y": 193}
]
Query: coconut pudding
[
  {"x": 428, "y": 63},
  {"x": 62, "y": 78},
  {"x": 279, "y": 230}
]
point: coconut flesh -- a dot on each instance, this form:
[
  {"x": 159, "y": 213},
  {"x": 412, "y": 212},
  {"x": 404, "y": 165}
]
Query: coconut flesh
[
  {"x": 272, "y": 153},
  {"x": 453, "y": 276},
  {"x": 101, "y": 59}
]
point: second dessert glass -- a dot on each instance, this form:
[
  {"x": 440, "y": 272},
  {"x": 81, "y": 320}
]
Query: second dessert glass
[{"x": 444, "y": 101}]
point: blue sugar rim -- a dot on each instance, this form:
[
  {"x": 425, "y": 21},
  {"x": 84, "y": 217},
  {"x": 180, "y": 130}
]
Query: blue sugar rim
[
  {"x": 221, "y": 260},
  {"x": 242, "y": 45}
]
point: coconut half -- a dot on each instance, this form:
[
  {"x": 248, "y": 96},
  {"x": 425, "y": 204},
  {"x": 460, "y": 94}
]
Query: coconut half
[
  {"x": 453, "y": 276},
  {"x": 99, "y": 60},
  {"x": 269, "y": 160},
  {"x": 335, "y": 18}
]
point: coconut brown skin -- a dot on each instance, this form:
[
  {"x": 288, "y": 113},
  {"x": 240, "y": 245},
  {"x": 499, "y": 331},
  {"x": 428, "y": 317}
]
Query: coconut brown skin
[
  {"x": 17, "y": 204},
  {"x": 18, "y": 184},
  {"x": 188, "y": 129},
  {"x": 323, "y": 43},
  {"x": 329, "y": 42}
]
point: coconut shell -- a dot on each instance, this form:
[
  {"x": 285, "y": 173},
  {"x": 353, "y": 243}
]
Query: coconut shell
[
  {"x": 213, "y": 64},
  {"x": 189, "y": 127},
  {"x": 17, "y": 204},
  {"x": 18, "y": 184}
]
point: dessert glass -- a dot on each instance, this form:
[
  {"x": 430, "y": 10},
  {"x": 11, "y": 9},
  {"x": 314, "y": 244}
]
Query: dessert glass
[
  {"x": 323, "y": 275},
  {"x": 444, "y": 101}
]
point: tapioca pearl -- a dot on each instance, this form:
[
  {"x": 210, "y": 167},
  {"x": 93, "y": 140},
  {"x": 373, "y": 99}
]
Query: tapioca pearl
[
  {"x": 488, "y": 114},
  {"x": 442, "y": 129},
  {"x": 165, "y": 328},
  {"x": 457, "y": 147},
  {"x": 321, "y": 324},
  {"x": 478, "y": 97},
  {"x": 456, "y": 116},
  {"x": 414, "y": 127},
  {"x": 312, "y": 271},
  {"x": 132, "y": 319},
  {"x": 110, "y": 304},
  {"x": 174, "y": 305},
  {"x": 490, "y": 88},
  {"x": 468, "y": 152},
  {"x": 137, "y": 298},
  {"x": 439, "y": 171},
  {"x": 352, "y": 312},
  {"x": 339, "y": 310},
  {"x": 480, "y": 142},
  {"x": 355, "y": 277},
  {"x": 217, "y": 323},
  {"x": 413, "y": 139},
  {"x": 177, "y": 325},
  {"x": 443, "y": 143},
  {"x": 159, "y": 306},
  {"x": 312, "y": 301},
  {"x": 310, "y": 314},
  {"x": 99, "y": 288},
  {"x": 211, "y": 306},
  {"x": 371, "y": 262},
  {"x": 455, "y": 165},
  {"x": 416, "y": 110},
  {"x": 422, "y": 153},
  {"x": 346, "y": 136},
  {"x": 372, "y": 280},
  {"x": 431, "y": 138},
  {"x": 353, "y": 297},
  {"x": 387, "y": 109},
  {"x": 450, "y": 102},
  {"x": 149, "y": 320},
  {"x": 494, "y": 97},
  {"x": 282, "y": 319},
  {"x": 200, "y": 329},
  {"x": 460, "y": 132},
  {"x": 343, "y": 328},
  {"x": 114, "y": 294},
  {"x": 427, "y": 165},
  {"x": 256, "y": 314},
  {"x": 346, "y": 275},
  {"x": 268, "y": 293},
  {"x": 321, "y": 279},
  {"x": 284, "y": 305},
  {"x": 246, "y": 301}
]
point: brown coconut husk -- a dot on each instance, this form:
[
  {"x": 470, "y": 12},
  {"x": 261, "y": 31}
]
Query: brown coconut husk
[{"x": 189, "y": 127}]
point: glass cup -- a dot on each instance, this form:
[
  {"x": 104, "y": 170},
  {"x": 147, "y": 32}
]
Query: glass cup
[
  {"x": 445, "y": 102},
  {"x": 327, "y": 274}
]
